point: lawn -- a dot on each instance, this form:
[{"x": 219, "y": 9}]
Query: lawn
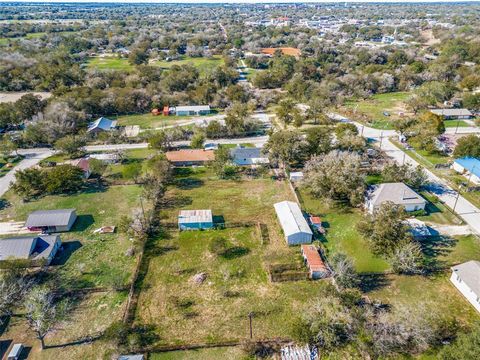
[
  {"x": 109, "y": 63},
  {"x": 237, "y": 281},
  {"x": 201, "y": 354},
  {"x": 148, "y": 121},
  {"x": 204, "y": 65},
  {"x": 373, "y": 109},
  {"x": 342, "y": 235},
  {"x": 87, "y": 259}
]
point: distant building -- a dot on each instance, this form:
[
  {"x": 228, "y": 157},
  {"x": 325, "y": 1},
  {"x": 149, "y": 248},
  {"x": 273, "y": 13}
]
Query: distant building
[
  {"x": 294, "y": 225},
  {"x": 469, "y": 167},
  {"x": 131, "y": 357},
  {"x": 453, "y": 114},
  {"x": 51, "y": 220},
  {"x": 284, "y": 50},
  {"x": 210, "y": 146},
  {"x": 195, "y": 219},
  {"x": 83, "y": 164},
  {"x": 190, "y": 157},
  {"x": 398, "y": 193},
  {"x": 101, "y": 125},
  {"x": 466, "y": 278},
  {"x": 192, "y": 110},
  {"x": 39, "y": 249},
  {"x": 314, "y": 262},
  {"x": 248, "y": 156}
]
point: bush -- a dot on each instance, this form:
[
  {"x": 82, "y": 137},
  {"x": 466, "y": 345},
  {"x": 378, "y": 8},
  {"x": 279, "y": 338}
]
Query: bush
[{"x": 218, "y": 246}]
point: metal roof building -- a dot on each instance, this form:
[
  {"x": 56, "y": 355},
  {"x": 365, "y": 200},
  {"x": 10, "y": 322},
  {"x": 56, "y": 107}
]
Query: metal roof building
[
  {"x": 102, "y": 124},
  {"x": 34, "y": 248},
  {"x": 468, "y": 166},
  {"x": 195, "y": 219},
  {"x": 248, "y": 156},
  {"x": 294, "y": 225},
  {"x": 466, "y": 278},
  {"x": 398, "y": 193},
  {"x": 192, "y": 110},
  {"x": 51, "y": 220},
  {"x": 453, "y": 113}
]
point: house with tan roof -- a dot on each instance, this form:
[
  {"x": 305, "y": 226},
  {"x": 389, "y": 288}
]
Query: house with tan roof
[
  {"x": 290, "y": 51},
  {"x": 190, "y": 157},
  {"x": 398, "y": 193},
  {"x": 316, "y": 267}
]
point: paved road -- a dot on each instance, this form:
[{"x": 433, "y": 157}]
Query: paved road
[
  {"x": 32, "y": 158},
  {"x": 463, "y": 208}
]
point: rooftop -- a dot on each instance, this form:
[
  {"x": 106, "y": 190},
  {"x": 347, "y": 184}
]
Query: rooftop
[
  {"x": 291, "y": 218},
  {"x": 314, "y": 261},
  {"x": 398, "y": 193},
  {"x": 469, "y": 272},
  {"x": 452, "y": 112},
  {"x": 102, "y": 123},
  {"x": 195, "y": 216},
  {"x": 190, "y": 155},
  {"x": 27, "y": 247},
  {"x": 41, "y": 218},
  {"x": 470, "y": 164},
  {"x": 193, "y": 108},
  {"x": 285, "y": 51}
]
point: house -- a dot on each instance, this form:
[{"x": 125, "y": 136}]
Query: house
[
  {"x": 39, "y": 249},
  {"x": 131, "y": 357},
  {"x": 283, "y": 50},
  {"x": 248, "y": 156},
  {"x": 296, "y": 176},
  {"x": 51, "y": 220},
  {"x": 469, "y": 167},
  {"x": 466, "y": 278},
  {"x": 83, "y": 164},
  {"x": 314, "y": 262},
  {"x": 195, "y": 219},
  {"x": 316, "y": 223},
  {"x": 190, "y": 157},
  {"x": 100, "y": 125},
  {"x": 453, "y": 114},
  {"x": 398, "y": 193},
  {"x": 192, "y": 110},
  {"x": 294, "y": 225}
]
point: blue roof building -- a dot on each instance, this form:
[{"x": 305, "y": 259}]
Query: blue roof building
[
  {"x": 101, "y": 124},
  {"x": 468, "y": 166}
]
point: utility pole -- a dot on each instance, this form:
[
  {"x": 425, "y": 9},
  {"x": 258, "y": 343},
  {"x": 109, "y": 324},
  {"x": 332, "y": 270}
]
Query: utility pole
[
  {"x": 250, "y": 315},
  {"x": 456, "y": 199},
  {"x": 403, "y": 161},
  {"x": 381, "y": 140},
  {"x": 363, "y": 127},
  {"x": 458, "y": 122}
]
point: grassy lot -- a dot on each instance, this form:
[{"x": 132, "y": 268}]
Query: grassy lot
[
  {"x": 342, "y": 234},
  {"x": 373, "y": 108},
  {"x": 204, "y": 65},
  {"x": 437, "y": 212},
  {"x": 88, "y": 259},
  {"x": 6, "y": 165},
  {"x": 148, "y": 121},
  {"x": 88, "y": 316},
  {"x": 201, "y": 354},
  {"x": 110, "y": 63},
  {"x": 455, "y": 123},
  {"x": 237, "y": 281}
]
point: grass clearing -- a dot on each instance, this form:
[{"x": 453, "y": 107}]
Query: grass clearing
[
  {"x": 148, "y": 121},
  {"x": 201, "y": 354},
  {"x": 110, "y": 63},
  {"x": 203, "y": 64}
]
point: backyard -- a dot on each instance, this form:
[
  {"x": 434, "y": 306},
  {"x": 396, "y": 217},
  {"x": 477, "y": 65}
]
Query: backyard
[
  {"x": 203, "y": 64},
  {"x": 148, "y": 121}
]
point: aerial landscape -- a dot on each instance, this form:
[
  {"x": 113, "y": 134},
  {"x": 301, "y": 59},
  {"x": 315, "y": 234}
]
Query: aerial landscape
[{"x": 290, "y": 181}]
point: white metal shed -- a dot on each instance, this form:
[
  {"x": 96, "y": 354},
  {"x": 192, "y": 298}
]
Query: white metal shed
[{"x": 293, "y": 223}]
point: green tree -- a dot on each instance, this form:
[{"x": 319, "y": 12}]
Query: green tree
[
  {"x": 465, "y": 347},
  {"x": 413, "y": 177},
  {"x": 407, "y": 259},
  {"x": 63, "y": 179},
  {"x": 468, "y": 146},
  {"x": 286, "y": 147},
  {"x": 29, "y": 105},
  {"x": 197, "y": 140},
  {"x": 344, "y": 129},
  {"x": 385, "y": 229},
  {"x": 29, "y": 183},
  {"x": 319, "y": 140},
  {"x": 235, "y": 118},
  {"x": 222, "y": 165},
  {"x": 132, "y": 171},
  {"x": 159, "y": 141},
  {"x": 287, "y": 112},
  {"x": 71, "y": 145}
]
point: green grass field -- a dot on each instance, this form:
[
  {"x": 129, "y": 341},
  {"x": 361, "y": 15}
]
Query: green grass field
[
  {"x": 110, "y": 63},
  {"x": 148, "y": 121},
  {"x": 201, "y": 354},
  {"x": 204, "y": 65}
]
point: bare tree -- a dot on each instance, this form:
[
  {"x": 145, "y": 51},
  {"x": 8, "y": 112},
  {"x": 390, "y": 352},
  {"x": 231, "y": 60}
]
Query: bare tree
[{"x": 13, "y": 287}]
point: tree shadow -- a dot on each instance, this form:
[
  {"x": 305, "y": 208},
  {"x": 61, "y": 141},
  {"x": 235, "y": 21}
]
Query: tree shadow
[
  {"x": 435, "y": 247},
  {"x": 372, "y": 282},
  {"x": 189, "y": 183},
  {"x": 83, "y": 222},
  {"x": 235, "y": 252},
  {"x": 3, "y": 205},
  {"x": 4, "y": 321},
  {"x": 67, "y": 249},
  {"x": 218, "y": 220},
  {"x": 177, "y": 201},
  {"x": 182, "y": 172},
  {"x": 25, "y": 353},
  {"x": 431, "y": 208}
]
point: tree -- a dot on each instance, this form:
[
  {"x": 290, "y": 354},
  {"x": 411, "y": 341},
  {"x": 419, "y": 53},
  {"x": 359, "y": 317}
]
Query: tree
[
  {"x": 336, "y": 176},
  {"x": 71, "y": 145},
  {"x": 29, "y": 183},
  {"x": 7, "y": 146},
  {"x": 287, "y": 112},
  {"x": 319, "y": 140},
  {"x": 160, "y": 141},
  {"x": 344, "y": 271},
  {"x": 344, "y": 129},
  {"x": 235, "y": 118},
  {"x": 350, "y": 142},
  {"x": 138, "y": 56},
  {"x": 8, "y": 115},
  {"x": 468, "y": 146},
  {"x": 97, "y": 167},
  {"x": 406, "y": 173},
  {"x": 407, "y": 259},
  {"x": 63, "y": 179},
  {"x": 214, "y": 130},
  {"x": 286, "y": 147},
  {"x": 465, "y": 347},
  {"x": 13, "y": 288},
  {"x": 43, "y": 312},
  {"x": 385, "y": 229},
  {"x": 197, "y": 140},
  {"x": 29, "y": 105},
  {"x": 432, "y": 121},
  {"x": 222, "y": 165}
]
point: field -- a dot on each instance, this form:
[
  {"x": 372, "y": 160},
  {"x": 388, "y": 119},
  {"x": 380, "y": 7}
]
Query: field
[
  {"x": 110, "y": 63},
  {"x": 237, "y": 282},
  {"x": 204, "y": 65},
  {"x": 148, "y": 121}
]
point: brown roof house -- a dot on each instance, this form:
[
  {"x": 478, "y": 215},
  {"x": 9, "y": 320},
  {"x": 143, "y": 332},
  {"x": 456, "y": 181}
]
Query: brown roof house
[
  {"x": 190, "y": 157},
  {"x": 284, "y": 50},
  {"x": 315, "y": 264}
]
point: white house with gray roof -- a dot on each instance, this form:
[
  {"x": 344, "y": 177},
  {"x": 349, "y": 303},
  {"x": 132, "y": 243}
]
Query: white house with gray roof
[
  {"x": 398, "y": 193},
  {"x": 39, "y": 249},
  {"x": 466, "y": 278},
  {"x": 248, "y": 156},
  {"x": 295, "y": 227},
  {"x": 453, "y": 114},
  {"x": 51, "y": 220},
  {"x": 102, "y": 124},
  {"x": 192, "y": 110}
]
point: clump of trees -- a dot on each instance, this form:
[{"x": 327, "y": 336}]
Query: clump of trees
[
  {"x": 223, "y": 166},
  {"x": 336, "y": 176},
  {"x": 35, "y": 182},
  {"x": 468, "y": 146},
  {"x": 415, "y": 177}
]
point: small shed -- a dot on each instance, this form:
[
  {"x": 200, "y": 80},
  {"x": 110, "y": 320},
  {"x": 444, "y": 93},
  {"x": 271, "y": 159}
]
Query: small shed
[
  {"x": 195, "y": 219},
  {"x": 296, "y": 176},
  {"x": 314, "y": 262},
  {"x": 51, "y": 220},
  {"x": 294, "y": 225},
  {"x": 15, "y": 352}
]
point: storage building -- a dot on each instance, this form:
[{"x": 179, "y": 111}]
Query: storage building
[
  {"x": 294, "y": 225},
  {"x": 316, "y": 267},
  {"x": 51, "y": 220},
  {"x": 195, "y": 219}
]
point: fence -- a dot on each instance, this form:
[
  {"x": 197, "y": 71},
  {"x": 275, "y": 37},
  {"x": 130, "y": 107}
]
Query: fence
[{"x": 287, "y": 272}]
